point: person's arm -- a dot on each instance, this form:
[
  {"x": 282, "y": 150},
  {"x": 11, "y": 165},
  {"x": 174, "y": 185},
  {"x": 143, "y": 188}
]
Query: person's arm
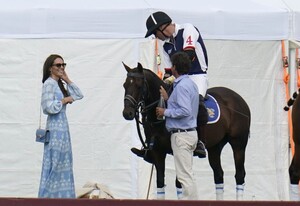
[
  {"x": 50, "y": 105},
  {"x": 73, "y": 90},
  {"x": 191, "y": 52},
  {"x": 182, "y": 101},
  {"x": 190, "y": 37}
]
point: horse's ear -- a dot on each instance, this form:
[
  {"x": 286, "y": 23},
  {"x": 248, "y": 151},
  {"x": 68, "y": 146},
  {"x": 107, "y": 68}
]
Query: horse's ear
[
  {"x": 126, "y": 67},
  {"x": 140, "y": 67}
]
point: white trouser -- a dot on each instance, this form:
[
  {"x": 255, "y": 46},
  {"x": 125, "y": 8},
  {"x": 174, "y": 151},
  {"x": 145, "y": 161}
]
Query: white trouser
[
  {"x": 201, "y": 81},
  {"x": 183, "y": 145}
]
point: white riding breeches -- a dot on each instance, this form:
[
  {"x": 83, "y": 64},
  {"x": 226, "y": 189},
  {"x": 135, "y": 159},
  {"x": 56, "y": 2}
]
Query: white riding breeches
[{"x": 201, "y": 81}]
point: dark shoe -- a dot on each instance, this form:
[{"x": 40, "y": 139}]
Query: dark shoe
[
  {"x": 200, "y": 150},
  {"x": 140, "y": 153}
]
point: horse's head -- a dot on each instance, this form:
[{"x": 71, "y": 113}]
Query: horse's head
[{"x": 134, "y": 86}]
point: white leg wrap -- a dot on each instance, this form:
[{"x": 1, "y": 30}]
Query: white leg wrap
[
  {"x": 179, "y": 193},
  {"x": 160, "y": 192},
  {"x": 219, "y": 191},
  {"x": 294, "y": 193},
  {"x": 240, "y": 192}
]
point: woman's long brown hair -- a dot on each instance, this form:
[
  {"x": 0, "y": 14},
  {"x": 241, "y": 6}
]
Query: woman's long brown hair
[{"x": 46, "y": 72}]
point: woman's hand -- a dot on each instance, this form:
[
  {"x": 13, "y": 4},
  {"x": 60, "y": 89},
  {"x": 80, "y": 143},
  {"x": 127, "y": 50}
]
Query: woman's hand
[
  {"x": 67, "y": 100},
  {"x": 65, "y": 77}
]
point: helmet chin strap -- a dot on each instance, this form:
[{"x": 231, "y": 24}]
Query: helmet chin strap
[
  {"x": 162, "y": 31},
  {"x": 165, "y": 35}
]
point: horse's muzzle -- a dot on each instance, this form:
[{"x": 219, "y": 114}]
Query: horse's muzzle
[{"x": 128, "y": 113}]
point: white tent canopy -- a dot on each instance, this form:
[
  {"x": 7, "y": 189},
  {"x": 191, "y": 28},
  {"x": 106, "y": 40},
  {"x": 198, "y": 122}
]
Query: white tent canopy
[
  {"x": 243, "y": 40},
  {"x": 235, "y": 20}
]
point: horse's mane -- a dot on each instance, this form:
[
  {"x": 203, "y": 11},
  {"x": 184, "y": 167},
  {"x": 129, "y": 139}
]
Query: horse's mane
[
  {"x": 150, "y": 72},
  {"x": 154, "y": 76}
]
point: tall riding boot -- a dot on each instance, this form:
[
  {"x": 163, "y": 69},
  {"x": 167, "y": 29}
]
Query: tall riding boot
[
  {"x": 201, "y": 122},
  {"x": 200, "y": 149},
  {"x": 145, "y": 152}
]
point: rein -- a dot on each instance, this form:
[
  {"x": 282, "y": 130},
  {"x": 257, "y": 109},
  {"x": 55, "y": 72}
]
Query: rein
[
  {"x": 140, "y": 106},
  {"x": 141, "y": 109},
  {"x": 137, "y": 121}
]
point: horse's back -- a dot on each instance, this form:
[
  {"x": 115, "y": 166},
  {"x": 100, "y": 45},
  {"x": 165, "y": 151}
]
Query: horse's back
[
  {"x": 235, "y": 117},
  {"x": 231, "y": 100}
]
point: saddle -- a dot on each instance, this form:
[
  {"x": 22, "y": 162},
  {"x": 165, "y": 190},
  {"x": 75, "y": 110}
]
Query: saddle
[{"x": 209, "y": 110}]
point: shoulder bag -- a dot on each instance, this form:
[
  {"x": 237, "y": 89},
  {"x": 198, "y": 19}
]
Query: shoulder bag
[{"x": 42, "y": 135}]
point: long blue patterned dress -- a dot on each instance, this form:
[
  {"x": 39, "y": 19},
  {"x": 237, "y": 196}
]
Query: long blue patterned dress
[{"x": 57, "y": 180}]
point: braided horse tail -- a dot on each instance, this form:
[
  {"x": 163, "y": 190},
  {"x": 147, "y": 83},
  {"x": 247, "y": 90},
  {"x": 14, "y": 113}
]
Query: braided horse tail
[{"x": 291, "y": 101}]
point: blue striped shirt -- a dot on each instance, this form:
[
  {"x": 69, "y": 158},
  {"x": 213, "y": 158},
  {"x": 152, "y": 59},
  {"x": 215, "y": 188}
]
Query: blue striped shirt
[{"x": 183, "y": 104}]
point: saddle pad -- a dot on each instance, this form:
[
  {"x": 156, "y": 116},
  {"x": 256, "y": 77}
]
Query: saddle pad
[{"x": 213, "y": 109}]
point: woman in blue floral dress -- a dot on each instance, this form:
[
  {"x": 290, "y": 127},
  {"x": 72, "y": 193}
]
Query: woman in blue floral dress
[{"x": 57, "y": 180}]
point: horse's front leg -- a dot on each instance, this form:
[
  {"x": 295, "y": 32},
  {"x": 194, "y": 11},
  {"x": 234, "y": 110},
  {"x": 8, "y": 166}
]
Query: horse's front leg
[{"x": 159, "y": 163}]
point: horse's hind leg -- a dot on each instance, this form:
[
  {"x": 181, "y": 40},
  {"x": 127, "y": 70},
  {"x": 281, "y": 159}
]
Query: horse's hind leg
[
  {"x": 240, "y": 173},
  {"x": 294, "y": 179},
  {"x": 239, "y": 148},
  {"x": 215, "y": 163},
  {"x": 294, "y": 172}
]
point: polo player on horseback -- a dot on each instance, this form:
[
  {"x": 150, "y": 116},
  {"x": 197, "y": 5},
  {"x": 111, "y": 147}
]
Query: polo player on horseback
[{"x": 184, "y": 38}]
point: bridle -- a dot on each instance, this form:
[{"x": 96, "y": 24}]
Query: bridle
[{"x": 139, "y": 105}]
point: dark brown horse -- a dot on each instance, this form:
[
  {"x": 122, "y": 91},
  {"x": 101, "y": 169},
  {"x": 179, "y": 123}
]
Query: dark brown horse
[
  {"x": 141, "y": 97},
  {"x": 294, "y": 169}
]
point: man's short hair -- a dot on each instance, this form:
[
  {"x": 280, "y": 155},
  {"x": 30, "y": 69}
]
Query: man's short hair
[{"x": 182, "y": 62}]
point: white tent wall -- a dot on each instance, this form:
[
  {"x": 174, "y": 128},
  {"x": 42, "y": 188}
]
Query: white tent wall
[{"x": 243, "y": 42}]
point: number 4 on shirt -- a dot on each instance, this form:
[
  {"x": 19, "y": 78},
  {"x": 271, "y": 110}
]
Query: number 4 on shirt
[{"x": 189, "y": 41}]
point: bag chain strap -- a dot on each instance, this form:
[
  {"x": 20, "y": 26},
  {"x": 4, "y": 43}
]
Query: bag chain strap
[{"x": 40, "y": 115}]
